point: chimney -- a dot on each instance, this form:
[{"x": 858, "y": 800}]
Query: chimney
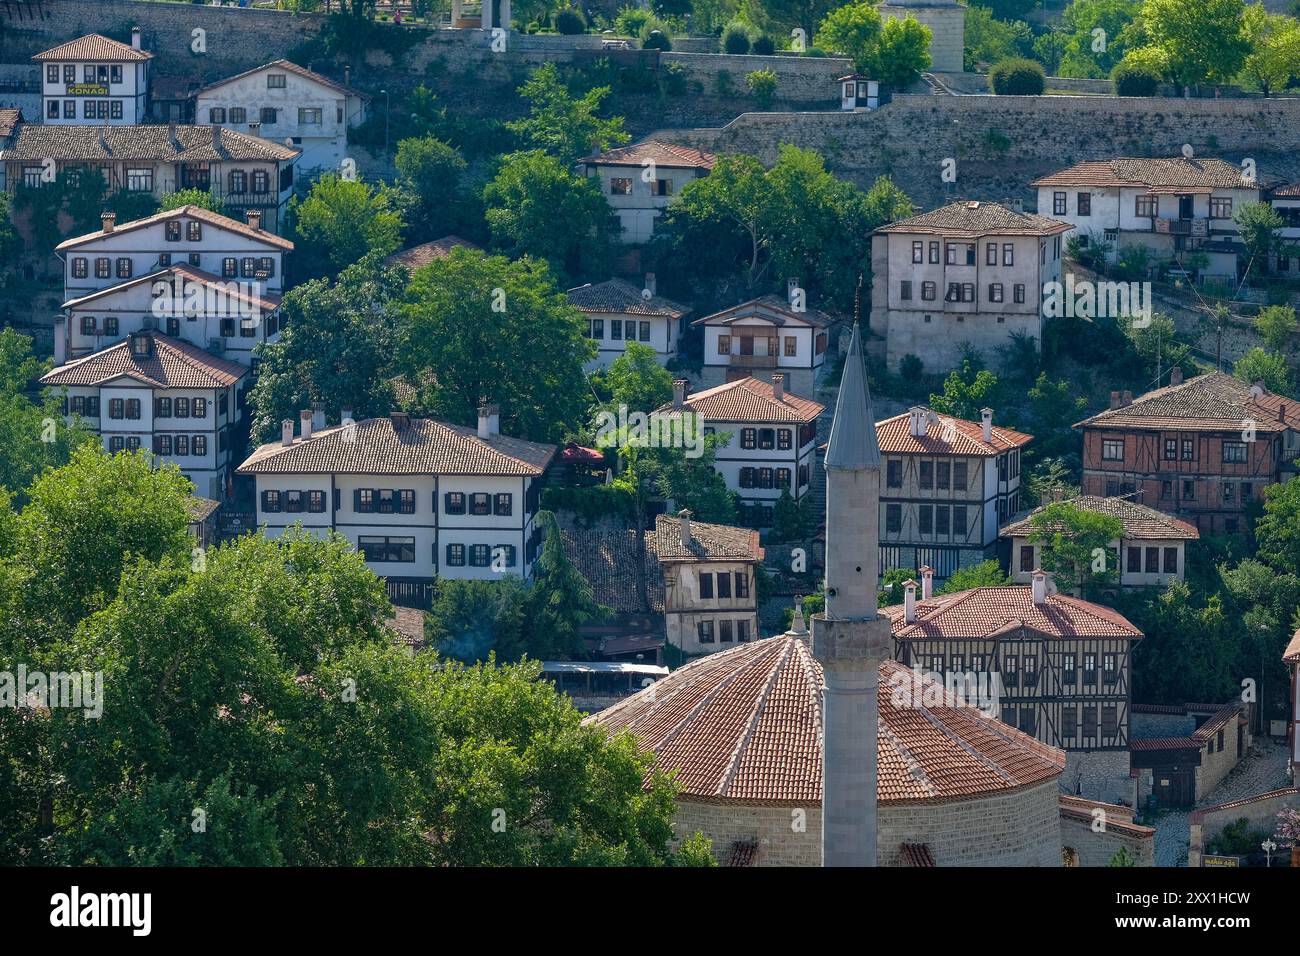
[
  {"x": 679, "y": 393},
  {"x": 400, "y": 420},
  {"x": 797, "y": 626},
  {"x": 1281, "y": 411},
  {"x": 254, "y": 218},
  {"x": 927, "y": 583},
  {"x": 1176, "y": 375},
  {"x": 1126, "y": 399},
  {"x": 650, "y": 283},
  {"x": 485, "y": 421},
  {"x": 103, "y": 138},
  {"x": 1114, "y": 400},
  {"x": 1258, "y": 389},
  {"x": 986, "y": 424},
  {"x": 255, "y": 128},
  {"x": 171, "y": 136},
  {"x": 684, "y": 521},
  {"x": 909, "y": 602},
  {"x": 345, "y": 415},
  {"x": 494, "y": 419},
  {"x": 286, "y": 432},
  {"x": 216, "y": 138},
  {"x": 304, "y": 423},
  {"x": 791, "y": 285},
  {"x": 107, "y": 220},
  {"x": 778, "y": 386},
  {"x": 317, "y": 416},
  {"x": 1039, "y": 586},
  {"x": 916, "y": 421},
  {"x": 347, "y": 75},
  {"x": 135, "y": 38}
]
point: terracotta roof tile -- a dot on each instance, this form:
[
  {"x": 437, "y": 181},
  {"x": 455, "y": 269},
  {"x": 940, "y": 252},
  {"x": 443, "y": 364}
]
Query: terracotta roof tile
[
  {"x": 618, "y": 296},
  {"x": 426, "y": 252},
  {"x": 750, "y": 400},
  {"x": 917, "y": 854},
  {"x": 744, "y": 725},
  {"x": 772, "y": 308},
  {"x": 289, "y": 67},
  {"x": 172, "y": 363},
  {"x": 743, "y": 853},
  {"x": 94, "y": 47},
  {"x": 660, "y": 153},
  {"x": 945, "y": 435},
  {"x": 1117, "y": 818},
  {"x": 422, "y": 447},
  {"x": 1175, "y": 171},
  {"x": 9, "y": 120},
  {"x": 200, "y": 509},
  {"x": 1140, "y": 522},
  {"x": 1217, "y": 721},
  {"x": 184, "y": 212},
  {"x": 983, "y": 612},
  {"x": 1214, "y": 400},
  {"x": 1198, "y": 816},
  {"x": 1165, "y": 743},
  {"x": 88, "y": 143},
  {"x": 973, "y": 218},
  {"x": 1292, "y": 652}
]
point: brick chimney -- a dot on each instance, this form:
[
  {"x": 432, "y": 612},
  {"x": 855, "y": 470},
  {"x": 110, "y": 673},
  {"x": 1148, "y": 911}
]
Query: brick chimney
[
  {"x": 1039, "y": 586},
  {"x": 679, "y": 393},
  {"x": 778, "y": 386},
  {"x": 1126, "y": 399},
  {"x": 107, "y": 220},
  {"x": 927, "y": 583},
  {"x": 909, "y": 602},
  {"x": 254, "y": 218},
  {"x": 1176, "y": 375},
  {"x": 286, "y": 432},
  {"x": 1114, "y": 400},
  {"x": 986, "y": 424},
  {"x": 684, "y": 522},
  {"x": 304, "y": 423}
]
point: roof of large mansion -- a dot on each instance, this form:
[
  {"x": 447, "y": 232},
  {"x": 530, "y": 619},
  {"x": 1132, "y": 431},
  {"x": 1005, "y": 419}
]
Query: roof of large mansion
[
  {"x": 426, "y": 252},
  {"x": 744, "y": 726},
  {"x": 620, "y": 297},
  {"x": 94, "y": 47},
  {"x": 398, "y": 445},
  {"x": 1214, "y": 400},
  {"x": 173, "y": 144},
  {"x": 170, "y": 363},
  {"x": 772, "y": 308},
  {"x": 1175, "y": 173},
  {"x": 289, "y": 67},
  {"x": 945, "y": 435},
  {"x": 750, "y": 400},
  {"x": 976, "y": 218},
  {"x": 183, "y": 212},
  {"x": 991, "y": 611},
  {"x": 654, "y": 151},
  {"x": 1140, "y": 522}
]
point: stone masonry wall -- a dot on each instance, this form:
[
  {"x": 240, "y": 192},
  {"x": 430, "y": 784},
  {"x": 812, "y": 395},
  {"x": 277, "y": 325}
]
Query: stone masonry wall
[
  {"x": 1099, "y": 775},
  {"x": 1261, "y": 812},
  {"x": 1096, "y": 848}
]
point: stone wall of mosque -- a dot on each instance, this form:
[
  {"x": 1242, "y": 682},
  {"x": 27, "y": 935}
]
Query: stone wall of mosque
[{"x": 1099, "y": 775}]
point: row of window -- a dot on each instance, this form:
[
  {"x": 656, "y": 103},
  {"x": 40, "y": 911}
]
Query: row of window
[
  {"x": 1231, "y": 452},
  {"x": 774, "y": 344},
  {"x": 724, "y": 631},
  {"x": 1138, "y": 560},
  {"x": 293, "y": 502},
  {"x": 249, "y": 267},
  {"x": 930, "y": 519},
  {"x": 963, "y": 253},
  {"x": 778, "y": 478},
  {"x": 268, "y": 115},
  {"x": 390, "y": 549},
  {"x": 719, "y": 584},
  {"x": 767, "y": 438},
  {"x": 1024, "y": 719},
  {"x": 90, "y": 109},
  {"x": 1144, "y": 207},
  {"x": 622, "y": 186},
  {"x": 91, "y": 73},
  {"x": 961, "y": 292},
  {"x": 596, "y": 329},
  {"x": 1021, "y": 670},
  {"x": 929, "y": 474},
  {"x": 180, "y": 446}
]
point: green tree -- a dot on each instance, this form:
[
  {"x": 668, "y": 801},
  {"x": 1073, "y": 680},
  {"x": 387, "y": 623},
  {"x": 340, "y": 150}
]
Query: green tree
[
  {"x": 966, "y": 391},
  {"x": 1257, "y": 365},
  {"x": 789, "y": 522},
  {"x": 782, "y": 16},
  {"x": 902, "y": 53},
  {"x": 1078, "y": 546},
  {"x": 429, "y": 178},
  {"x": 989, "y": 41},
  {"x": 853, "y": 30},
  {"x": 1274, "y": 58},
  {"x": 696, "y": 851},
  {"x": 1260, "y": 228},
  {"x": 478, "y": 328},
  {"x": 192, "y": 197},
  {"x": 537, "y": 207},
  {"x": 33, "y": 436},
  {"x": 635, "y": 379},
  {"x": 1167, "y": 667},
  {"x": 560, "y": 600},
  {"x": 340, "y": 222},
  {"x": 986, "y": 574},
  {"x": 1087, "y": 54},
  {"x": 565, "y": 126},
  {"x": 1277, "y": 324},
  {"x": 1204, "y": 42},
  {"x": 1277, "y": 532},
  {"x": 691, "y": 483},
  {"x": 1122, "y": 857},
  {"x": 471, "y": 620}
]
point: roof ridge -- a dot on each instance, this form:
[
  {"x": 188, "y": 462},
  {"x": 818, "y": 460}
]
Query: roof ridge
[{"x": 755, "y": 715}]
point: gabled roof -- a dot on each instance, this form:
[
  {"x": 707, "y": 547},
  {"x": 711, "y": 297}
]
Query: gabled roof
[
  {"x": 709, "y": 542},
  {"x": 972, "y": 218},
  {"x": 426, "y": 252},
  {"x": 172, "y": 363},
  {"x": 750, "y": 400},
  {"x": 620, "y": 297},
  {"x": 94, "y": 47},
  {"x": 9, "y": 120},
  {"x": 945, "y": 435},
  {"x": 1292, "y": 653},
  {"x": 657, "y": 152},
  {"x": 200, "y": 509},
  {"x": 770, "y": 307},
  {"x": 853, "y": 445},
  {"x": 289, "y": 67},
  {"x": 237, "y": 290},
  {"x": 184, "y": 212},
  {"x": 1140, "y": 522},
  {"x": 1213, "y": 401},
  {"x": 1163, "y": 174},
  {"x": 744, "y": 726},
  {"x": 421, "y": 446},
  {"x": 158, "y": 143},
  {"x": 987, "y": 612}
]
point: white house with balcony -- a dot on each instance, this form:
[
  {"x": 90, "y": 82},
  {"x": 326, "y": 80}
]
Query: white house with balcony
[
  {"x": 161, "y": 394},
  {"x": 284, "y": 101},
  {"x": 764, "y": 336},
  {"x": 420, "y": 499},
  {"x": 95, "y": 80},
  {"x": 640, "y": 181},
  {"x": 773, "y": 439},
  {"x": 970, "y": 274},
  {"x": 189, "y": 272},
  {"x": 618, "y": 313},
  {"x": 1174, "y": 207}
]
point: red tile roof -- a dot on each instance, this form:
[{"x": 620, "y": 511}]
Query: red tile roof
[
  {"x": 1292, "y": 652},
  {"x": 973, "y": 219},
  {"x": 184, "y": 212},
  {"x": 1213, "y": 401},
  {"x": 945, "y": 435},
  {"x": 172, "y": 363},
  {"x": 1140, "y": 522},
  {"x": 620, "y": 297},
  {"x": 1198, "y": 816},
  {"x": 743, "y": 853},
  {"x": 770, "y": 308},
  {"x": 1118, "y": 819},
  {"x": 157, "y": 143},
  {"x": 661, "y": 154},
  {"x": 749, "y": 400},
  {"x": 94, "y": 47},
  {"x": 744, "y": 726},
  {"x": 290, "y": 67},
  {"x": 1157, "y": 173},
  {"x": 9, "y": 120},
  {"x": 426, "y": 252},
  {"x": 1165, "y": 743},
  {"x": 985, "y": 612}
]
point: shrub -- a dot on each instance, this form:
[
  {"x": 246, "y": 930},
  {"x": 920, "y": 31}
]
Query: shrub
[
  {"x": 911, "y": 368},
  {"x": 764, "y": 45},
  {"x": 735, "y": 39},
  {"x": 722, "y": 83},
  {"x": 656, "y": 39},
  {"x": 1017, "y": 77},
  {"x": 762, "y": 85},
  {"x": 1135, "y": 79},
  {"x": 570, "y": 22},
  {"x": 630, "y": 20}
]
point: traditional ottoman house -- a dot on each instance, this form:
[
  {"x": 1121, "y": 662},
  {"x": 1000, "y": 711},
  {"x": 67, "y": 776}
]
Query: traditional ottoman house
[
  {"x": 1063, "y": 666},
  {"x": 618, "y": 312},
  {"x": 421, "y": 255},
  {"x": 808, "y": 751},
  {"x": 1201, "y": 449},
  {"x": 639, "y": 181},
  {"x": 949, "y": 485},
  {"x": 95, "y": 80},
  {"x": 762, "y": 337},
  {"x": 162, "y": 394},
  {"x": 420, "y": 499},
  {"x": 773, "y": 443},
  {"x": 1182, "y": 753},
  {"x": 1152, "y": 550}
]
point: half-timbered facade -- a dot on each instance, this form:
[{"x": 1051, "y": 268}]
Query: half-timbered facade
[
  {"x": 1201, "y": 449},
  {"x": 1061, "y": 667},
  {"x": 949, "y": 484}
]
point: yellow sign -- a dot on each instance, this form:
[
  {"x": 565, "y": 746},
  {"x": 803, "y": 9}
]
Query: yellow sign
[
  {"x": 1220, "y": 861},
  {"x": 87, "y": 89}
]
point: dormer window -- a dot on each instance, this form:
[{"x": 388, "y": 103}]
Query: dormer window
[{"x": 141, "y": 345}]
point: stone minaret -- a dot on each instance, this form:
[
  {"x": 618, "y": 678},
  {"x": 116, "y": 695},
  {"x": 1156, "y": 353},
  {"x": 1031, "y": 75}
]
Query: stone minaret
[{"x": 850, "y": 640}]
